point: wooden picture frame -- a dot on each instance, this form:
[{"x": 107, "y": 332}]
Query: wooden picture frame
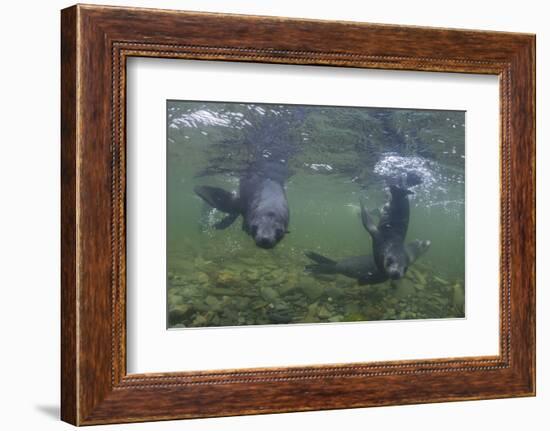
[{"x": 95, "y": 43}]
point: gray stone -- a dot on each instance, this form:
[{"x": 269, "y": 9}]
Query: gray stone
[
  {"x": 324, "y": 313},
  {"x": 200, "y": 320},
  {"x": 214, "y": 303},
  {"x": 178, "y": 314},
  {"x": 268, "y": 294},
  {"x": 202, "y": 278},
  {"x": 313, "y": 290},
  {"x": 334, "y": 292}
]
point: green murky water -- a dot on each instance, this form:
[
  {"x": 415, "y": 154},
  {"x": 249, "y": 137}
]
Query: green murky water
[{"x": 335, "y": 156}]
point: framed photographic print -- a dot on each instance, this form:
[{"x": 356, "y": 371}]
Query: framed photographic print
[{"x": 265, "y": 214}]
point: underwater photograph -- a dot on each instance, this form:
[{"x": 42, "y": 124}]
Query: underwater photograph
[{"x": 300, "y": 214}]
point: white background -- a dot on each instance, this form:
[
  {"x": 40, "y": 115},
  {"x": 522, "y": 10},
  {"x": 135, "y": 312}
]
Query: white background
[
  {"x": 29, "y": 217},
  {"x": 153, "y": 349}
]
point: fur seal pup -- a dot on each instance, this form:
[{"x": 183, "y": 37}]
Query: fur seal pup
[
  {"x": 362, "y": 268},
  {"x": 388, "y": 237},
  {"x": 261, "y": 202}
]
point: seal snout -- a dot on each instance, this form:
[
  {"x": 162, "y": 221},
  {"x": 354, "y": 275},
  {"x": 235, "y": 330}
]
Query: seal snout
[
  {"x": 265, "y": 242},
  {"x": 395, "y": 274}
]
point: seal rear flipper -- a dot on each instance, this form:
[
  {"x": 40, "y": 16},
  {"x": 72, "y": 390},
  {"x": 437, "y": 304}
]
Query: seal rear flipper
[
  {"x": 219, "y": 198},
  {"x": 226, "y": 221},
  {"x": 317, "y": 258},
  {"x": 368, "y": 222},
  {"x": 323, "y": 265}
]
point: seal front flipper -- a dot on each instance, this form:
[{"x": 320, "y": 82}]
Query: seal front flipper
[
  {"x": 373, "y": 277},
  {"x": 417, "y": 248},
  {"x": 368, "y": 221},
  {"x": 226, "y": 221},
  {"x": 219, "y": 198}
]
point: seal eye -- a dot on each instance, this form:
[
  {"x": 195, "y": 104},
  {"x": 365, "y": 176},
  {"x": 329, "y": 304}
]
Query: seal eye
[{"x": 279, "y": 233}]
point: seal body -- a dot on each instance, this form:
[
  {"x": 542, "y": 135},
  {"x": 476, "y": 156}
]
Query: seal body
[
  {"x": 389, "y": 251},
  {"x": 261, "y": 201},
  {"x": 362, "y": 268}
]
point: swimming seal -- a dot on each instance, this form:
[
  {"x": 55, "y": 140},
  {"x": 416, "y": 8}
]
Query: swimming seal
[
  {"x": 388, "y": 237},
  {"x": 261, "y": 202},
  {"x": 362, "y": 268}
]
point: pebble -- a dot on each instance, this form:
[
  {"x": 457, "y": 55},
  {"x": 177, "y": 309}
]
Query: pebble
[
  {"x": 268, "y": 293},
  {"x": 334, "y": 292},
  {"x": 200, "y": 320},
  {"x": 313, "y": 291},
  {"x": 178, "y": 314},
  {"x": 244, "y": 292},
  {"x": 324, "y": 313},
  {"x": 202, "y": 278},
  {"x": 213, "y": 302},
  {"x": 226, "y": 278}
]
